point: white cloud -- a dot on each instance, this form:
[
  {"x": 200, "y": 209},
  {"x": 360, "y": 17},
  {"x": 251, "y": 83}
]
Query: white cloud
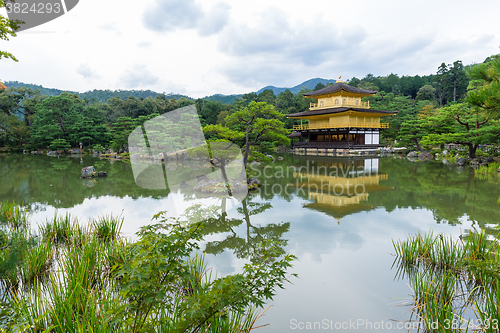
[
  {"x": 145, "y": 45},
  {"x": 214, "y": 20},
  {"x": 206, "y": 47},
  {"x": 172, "y": 15},
  {"x": 112, "y": 26},
  {"x": 87, "y": 72},
  {"x": 274, "y": 35},
  {"x": 137, "y": 77}
]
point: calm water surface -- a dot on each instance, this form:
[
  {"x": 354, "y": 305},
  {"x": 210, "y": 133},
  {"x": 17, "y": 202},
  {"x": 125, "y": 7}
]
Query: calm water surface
[{"x": 338, "y": 216}]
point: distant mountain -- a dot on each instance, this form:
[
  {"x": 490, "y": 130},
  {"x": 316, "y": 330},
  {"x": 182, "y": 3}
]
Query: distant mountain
[
  {"x": 223, "y": 98},
  {"x": 43, "y": 90},
  {"x": 97, "y": 95},
  {"x": 309, "y": 84},
  {"x": 104, "y": 95}
]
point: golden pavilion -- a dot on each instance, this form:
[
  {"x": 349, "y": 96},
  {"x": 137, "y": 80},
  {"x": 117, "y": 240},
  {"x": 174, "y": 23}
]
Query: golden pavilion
[
  {"x": 340, "y": 119},
  {"x": 337, "y": 194}
]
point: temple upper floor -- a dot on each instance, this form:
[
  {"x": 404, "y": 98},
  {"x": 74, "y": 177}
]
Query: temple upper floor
[
  {"x": 339, "y": 95},
  {"x": 339, "y": 101}
]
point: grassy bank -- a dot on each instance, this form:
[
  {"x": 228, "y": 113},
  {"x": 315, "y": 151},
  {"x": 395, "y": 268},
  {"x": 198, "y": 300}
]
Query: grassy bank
[{"x": 73, "y": 278}]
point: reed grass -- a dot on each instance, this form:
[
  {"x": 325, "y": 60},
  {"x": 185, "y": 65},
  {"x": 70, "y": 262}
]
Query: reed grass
[
  {"x": 107, "y": 228},
  {"x": 59, "y": 230},
  {"x": 14, "y": 216},
  {"x": 64, "y": 280},
  {"x": 451, "y": 280},
  {"x": 490, "y": 169},
  {"x": 37, "y": 261}
]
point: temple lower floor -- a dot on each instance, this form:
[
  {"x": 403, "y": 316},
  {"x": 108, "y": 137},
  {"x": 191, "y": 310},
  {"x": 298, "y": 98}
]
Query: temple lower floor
[{"x": 348, "y": 138}]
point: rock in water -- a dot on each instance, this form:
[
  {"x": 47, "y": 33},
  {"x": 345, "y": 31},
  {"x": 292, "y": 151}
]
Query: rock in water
[
  {"x": 102, "y": 174},
  {"x": 200, "y": 178},
  {"x": 253, "y": 183},
  {"x": 475, "y": 162},
  {"x": 412, "y": 154},
  {"x": 425, "y": 156},
  {"x": 272, "y": 158},
  {"x": 88, "y": 172},
  {"x": 460, "y": 161}
]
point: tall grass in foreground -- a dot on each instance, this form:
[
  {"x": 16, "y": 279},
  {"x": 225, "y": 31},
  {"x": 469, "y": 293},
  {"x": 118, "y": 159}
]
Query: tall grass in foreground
[
  {"x": 455, "y": 283},
  {"x": 13, "y": 216},
  {"x": 70, "y": 278}
]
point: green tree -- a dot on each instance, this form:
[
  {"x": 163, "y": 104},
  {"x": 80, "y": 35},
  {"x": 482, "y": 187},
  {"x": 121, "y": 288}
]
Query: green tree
[
  {"x": 353, "y": 82},
  {"x": 220, "y": 153},
  {"x": 266, "y": 96},
  {"x": 390, "y": 83},
  {"x": 245, "y": 245},
  {"x": 411, "y": 132},
  {"x": 54, "y": 119},
  {"x": 458, "y": 81},
  {"x": 209, "y": 110},
  {"x": 426, "y": 92},
  {"x": 319, "y": 86},
  {"x": 7, "y": 29},
  {"x": 160, "y": 268},
  {"x": 451, "y": 82},
  {"x": 250, "y": 97},
  {"x": 249, "y": 126},
  {"x": 221, "y": 117},
  {"x": 472, "y": 127},
  {"x": 485, "y": 85},
  {"x": 120, "y": 132},
  {"x": 257, "y": 122},
  {"x": 286, "y": 103},
  {"x": 59, "y": 144},
  {"x": 13, "y": 132},
  {"x": 441, "y": 81},
  {"x": 21, "y": 101}
]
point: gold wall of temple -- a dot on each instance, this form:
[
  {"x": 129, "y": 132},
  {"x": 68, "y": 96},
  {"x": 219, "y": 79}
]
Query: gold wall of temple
[
  {"x": 337, "y": 201},
  {"x": 330, "y": 182},
  {"x": 339, "y": 100},
  {"x": 319, "y": 122},
  {"x": 344, "y": 119}
]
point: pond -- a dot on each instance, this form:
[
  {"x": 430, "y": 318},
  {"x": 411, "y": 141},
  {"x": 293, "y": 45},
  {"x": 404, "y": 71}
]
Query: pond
[{"x": 337, "y": 215}]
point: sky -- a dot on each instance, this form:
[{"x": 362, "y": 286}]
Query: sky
[{"x": 199, "y": 48}]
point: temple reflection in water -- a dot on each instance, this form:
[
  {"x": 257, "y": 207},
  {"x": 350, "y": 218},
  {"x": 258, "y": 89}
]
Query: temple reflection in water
[{"x": 339, "y": 187}]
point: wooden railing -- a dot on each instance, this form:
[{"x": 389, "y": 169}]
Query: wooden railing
[
  {"x": 316, "y": 106},
  {"x": 351, "y": 124}
]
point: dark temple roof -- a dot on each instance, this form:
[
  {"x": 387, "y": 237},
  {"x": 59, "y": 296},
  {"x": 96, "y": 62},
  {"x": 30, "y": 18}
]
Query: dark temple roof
[
  {"x": 294, "y": 134},
  {"x": 337, "y": 87},
  {"x": 336, "y": 110}
]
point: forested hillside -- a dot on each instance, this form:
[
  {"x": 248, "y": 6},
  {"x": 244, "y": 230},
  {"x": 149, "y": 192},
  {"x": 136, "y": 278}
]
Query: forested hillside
[
  {"x": 432, "y": 109},
  {"x": 96, "y": 94}
]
